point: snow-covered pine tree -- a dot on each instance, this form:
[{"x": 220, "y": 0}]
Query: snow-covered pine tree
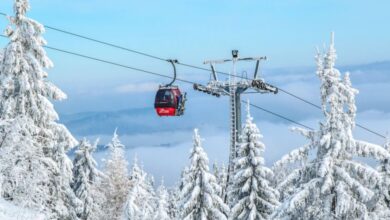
[
  {"x": 85, "y": 178},
  {"x": 382, "y": 207},
  {"x": 174, "y": 195},
  {"x": 216, "y": 171},
  {"x": 183, "y": 176},
  {"x": 36, "y": 171},
  {"x": 385, "y": 172},
  {"x": 251, "y": 194},
  {"x": 217, "y": 174},
  {"x": 222, "y": 180},
  {"x": 140, "y": 200},
  {"x": 200, "y": 193},
  {"x": 220, "y": 173},
  {"x": 115, "y": 185},
  {"x": 162, "y": 203},
  {"x": 332, "y": 185},
  {"x": 173, "y": 202},
  {"x": 151, "y": 204}
]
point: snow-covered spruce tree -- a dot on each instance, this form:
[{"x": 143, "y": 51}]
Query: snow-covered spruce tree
[
  {"x": 332, "y": 185},
  {"x": 162, "y": 203},
  {"x": 220, "y": 173},
  {"x": 385, "y": 172},
  {"x": 115, "y": 185},
  {"x": 383, "y": 194},
  {"x": 150, "y": 197},
  {"x": 222, "y": 180},
  {"x": 85, "y": 177},
  {"x": 174, "y": 195},
  {"x": 200, "y": 193},
  {"x": 140, "y": 199},
  {"x": 183, "y": 177},
  {"x": 36, "y": 171},
  {"x": 173, "y": 202},
  {"x": 216, "y": 171},
  {"x": 251, "y": 194}
]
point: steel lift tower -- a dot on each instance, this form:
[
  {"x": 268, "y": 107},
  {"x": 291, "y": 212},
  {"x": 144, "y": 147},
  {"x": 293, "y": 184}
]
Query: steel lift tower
[{"x": 233, "y": 88}]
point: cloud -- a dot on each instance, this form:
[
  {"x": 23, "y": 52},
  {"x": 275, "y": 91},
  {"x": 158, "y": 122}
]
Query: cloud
[
  {"x": 165, "y": 153},
  {"x": 137, "y": 88}
]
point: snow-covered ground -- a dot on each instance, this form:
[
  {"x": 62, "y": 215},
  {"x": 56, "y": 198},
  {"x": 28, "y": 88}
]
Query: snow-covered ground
[{"x": 9, "y": 211}]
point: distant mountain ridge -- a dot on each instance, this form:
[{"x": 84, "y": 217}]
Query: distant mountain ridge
[{"x": 129, "y": 121}]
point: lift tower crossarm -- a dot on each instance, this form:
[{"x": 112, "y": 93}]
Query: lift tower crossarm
[
  {"x": 217, "y": 61},
  {"x": 238, "y": 59}
]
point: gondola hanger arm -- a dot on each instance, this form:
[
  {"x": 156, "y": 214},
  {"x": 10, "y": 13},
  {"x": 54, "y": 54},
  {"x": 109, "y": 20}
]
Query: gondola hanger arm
[{"x": 173, "y": 62}]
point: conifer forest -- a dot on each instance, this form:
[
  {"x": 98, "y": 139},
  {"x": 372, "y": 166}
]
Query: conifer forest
[{"x": 51, "y": 169}]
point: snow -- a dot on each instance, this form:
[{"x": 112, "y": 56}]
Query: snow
[
  {"x": 252, "y": 196},
  {"x": 36, "y": 173},
  {"x": 9, "y": 211},
  {"x": 162, "y": 203},
  {"x": 333, "y": 184},
  {"x": 140, "y": 202},
  {"x": 200, "y": 193},
  {"x": 85, "y": 179},
  {"x": 115, "y": 185},
  {"x": 220, "y": 173}
]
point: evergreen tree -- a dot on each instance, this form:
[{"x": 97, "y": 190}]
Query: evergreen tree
[
  {"x": 173, "y": 202},
  {"x": 332, "y": 185},
  {"x": 200, "y": 193},
  {"x": 36, "y": 171},
  {"x": 85, "y": 176},
  {"x": 220, "y": 174},
  {"x": 183, "y": 177},
  {"x": 150, "y": 197},
  {"x": 116, "y": 185},
  {"x": 216, "y": 171},
  {"x": 162, "y": 203},
  {"x": 140, "y": 199},
  {"x": 252, "y": 196},
  {"x": 385, "y": 172},
  {"x": 382, "y": 201},
  {"x": 174, "y": 195},
  {"x": 222, "y": 180}
]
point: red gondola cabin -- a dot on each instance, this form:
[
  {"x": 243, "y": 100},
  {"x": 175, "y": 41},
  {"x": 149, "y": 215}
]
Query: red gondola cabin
[{"x": 169, "y": 101}]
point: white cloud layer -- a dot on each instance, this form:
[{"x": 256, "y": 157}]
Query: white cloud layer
[{"x": 164, "y": 154}]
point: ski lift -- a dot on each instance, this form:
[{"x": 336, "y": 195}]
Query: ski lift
[{"x": 170, "y": 101}]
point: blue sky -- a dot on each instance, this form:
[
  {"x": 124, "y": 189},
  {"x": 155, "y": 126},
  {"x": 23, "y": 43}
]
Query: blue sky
[
  {"x": 285, "y": 31},
  {"x": 102, "y": 97}
]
